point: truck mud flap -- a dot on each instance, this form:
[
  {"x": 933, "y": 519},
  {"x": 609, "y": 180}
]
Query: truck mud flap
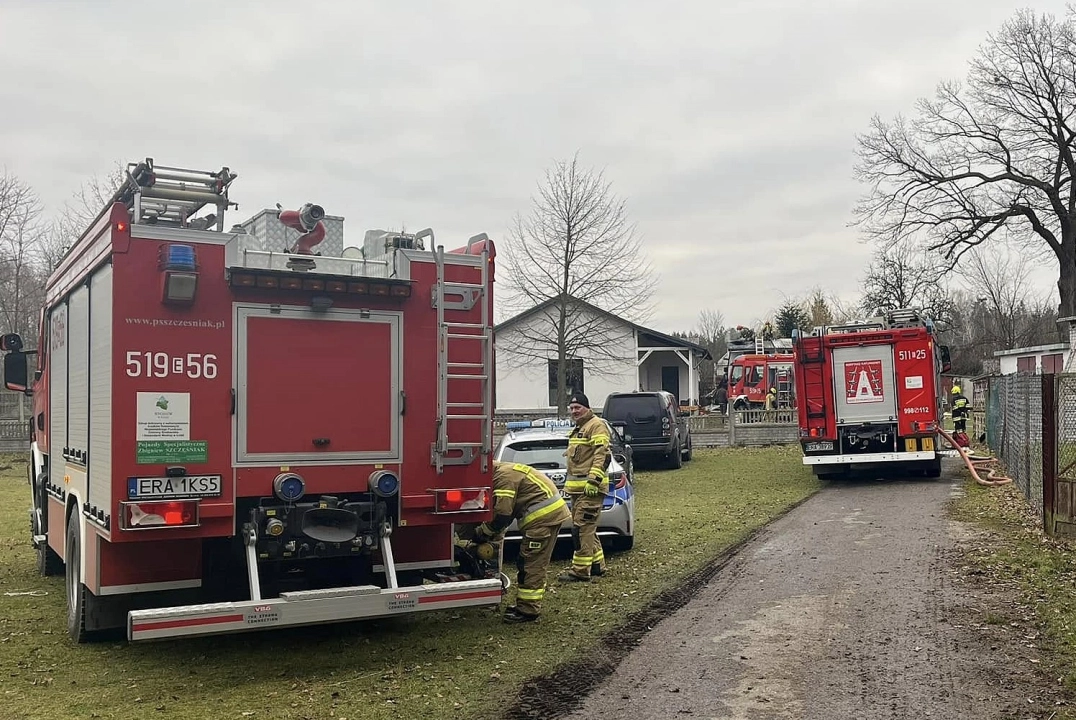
[{"x": 308, "y": 607}]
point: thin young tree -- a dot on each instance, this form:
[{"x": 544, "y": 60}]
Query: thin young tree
[
  {"x": 576, "y": 244},
  {"x": 21, "y": 232},
  {"x": 992, "y": 159}
]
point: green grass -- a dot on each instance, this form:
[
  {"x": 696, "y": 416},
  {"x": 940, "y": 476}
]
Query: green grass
[
  {"x": 451, "y": 664},
  {"x": 1014, "y": 554}
]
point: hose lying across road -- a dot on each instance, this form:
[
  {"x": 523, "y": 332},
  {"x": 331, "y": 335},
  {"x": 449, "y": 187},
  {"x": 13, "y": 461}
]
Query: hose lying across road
[{"x": 976, "y": 463}]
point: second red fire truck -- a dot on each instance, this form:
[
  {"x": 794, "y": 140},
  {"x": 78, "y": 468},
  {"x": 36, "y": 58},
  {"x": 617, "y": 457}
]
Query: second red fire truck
[
  {"x": 253, "y": 427},
  {"x": 869, "y": 394}
]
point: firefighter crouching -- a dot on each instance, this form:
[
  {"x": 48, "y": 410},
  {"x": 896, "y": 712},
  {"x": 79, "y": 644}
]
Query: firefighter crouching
[
  {"x": 587, "y": 484},
  {"x": 521, "y": 492}
]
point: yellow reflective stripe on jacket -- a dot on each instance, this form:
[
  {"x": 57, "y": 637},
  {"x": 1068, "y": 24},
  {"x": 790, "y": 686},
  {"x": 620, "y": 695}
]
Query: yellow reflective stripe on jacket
[
  {"x": 504, "y": 493},
  {"x": 578, "y": 486},
  {"x": 596, "y": 439},
  {"x": 540, "y": 510}
]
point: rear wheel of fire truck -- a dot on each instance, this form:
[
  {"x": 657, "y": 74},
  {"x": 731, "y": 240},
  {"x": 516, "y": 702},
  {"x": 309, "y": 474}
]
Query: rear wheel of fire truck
[
  {"x": 80, "y": 601},
  {"x": 934, "y": 469}
]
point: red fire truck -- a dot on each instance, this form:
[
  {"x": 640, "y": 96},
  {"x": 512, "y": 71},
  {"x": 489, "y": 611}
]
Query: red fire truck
[
  {"x": 752, "y": 375},
  {"x": 869, "y": 394},
  {"x": 226, "y": 433}
]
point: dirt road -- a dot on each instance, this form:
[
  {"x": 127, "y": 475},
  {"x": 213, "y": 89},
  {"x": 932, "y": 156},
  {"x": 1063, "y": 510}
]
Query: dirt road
[{"x": 851, "y": 606}]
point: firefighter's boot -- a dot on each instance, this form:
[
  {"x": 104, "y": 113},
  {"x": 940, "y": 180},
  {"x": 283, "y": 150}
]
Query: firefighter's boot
[
  {"x": 514, "y": 615},
  {"x": 569, "y": 576}
]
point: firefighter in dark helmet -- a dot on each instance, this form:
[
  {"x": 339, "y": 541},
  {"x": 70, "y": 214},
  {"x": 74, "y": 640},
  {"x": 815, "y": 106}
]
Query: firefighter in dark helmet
[
  {"x": 523, "y": 493},
  {"x": 587, "y": 484}
]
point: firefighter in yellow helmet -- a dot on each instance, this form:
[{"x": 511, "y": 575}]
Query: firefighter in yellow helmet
[
  {"x": 587, "y": 485},
  {"x": 959, "y": 404},
  {"x": 523, "y": 493}
]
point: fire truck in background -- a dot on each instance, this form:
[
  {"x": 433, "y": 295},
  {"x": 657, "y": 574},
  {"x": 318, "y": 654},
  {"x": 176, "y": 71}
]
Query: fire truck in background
[
  {"x": 869, "y": 393},
  {"x": 751, "y": 376},
  {"x": 757, "y": 363},
  {"x": 226, "y": 435}
]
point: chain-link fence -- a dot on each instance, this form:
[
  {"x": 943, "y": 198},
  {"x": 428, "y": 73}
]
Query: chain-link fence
[
  {"x": 1014, "y": 430},
  {"x": 1066, "y": 427}
]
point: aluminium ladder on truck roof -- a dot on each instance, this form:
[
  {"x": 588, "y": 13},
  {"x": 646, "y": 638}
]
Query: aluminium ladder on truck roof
[
  {"x": 462, "y": 296},
  {"x": 160, "y": 195}
]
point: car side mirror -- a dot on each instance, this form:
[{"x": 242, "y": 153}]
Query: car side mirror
[{"x": 15, "y": 372}]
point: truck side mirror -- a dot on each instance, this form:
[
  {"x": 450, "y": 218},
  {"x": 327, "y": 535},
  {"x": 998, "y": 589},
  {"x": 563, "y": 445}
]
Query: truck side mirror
[
  {"x": 946, "y": 362},
  {"x": 15, "y": 371}
]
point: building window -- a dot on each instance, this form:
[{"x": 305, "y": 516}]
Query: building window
[
  {"x": 1026, "y": 364},
  {"x": 1052, "y": 364},
  {"x": 573, "y": 379}
]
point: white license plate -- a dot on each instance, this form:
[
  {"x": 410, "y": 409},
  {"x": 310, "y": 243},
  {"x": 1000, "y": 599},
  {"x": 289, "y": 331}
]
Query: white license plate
[
  {"x": 174, "y": 487},
  {"x": 818, "y": 446}
]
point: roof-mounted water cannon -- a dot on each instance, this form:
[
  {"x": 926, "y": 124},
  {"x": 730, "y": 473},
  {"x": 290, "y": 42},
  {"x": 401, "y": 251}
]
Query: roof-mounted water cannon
[{"x": 308, "y": 221}]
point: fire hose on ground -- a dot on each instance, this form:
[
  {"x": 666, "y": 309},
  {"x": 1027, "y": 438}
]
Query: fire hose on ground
[{"x": 975, "y": 463}]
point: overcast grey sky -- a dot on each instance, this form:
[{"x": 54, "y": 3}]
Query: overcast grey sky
[{"x": 727, "y": 126}]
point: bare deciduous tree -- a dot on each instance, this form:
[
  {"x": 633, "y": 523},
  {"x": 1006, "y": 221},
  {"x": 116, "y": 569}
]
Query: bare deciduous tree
[
  {"x": 902, "y": 277},
  {"x": 576, "y": 244},
  {"x": 21, "y": 231},
  {"x": 712, "y": 334},
  {"x": 993, "y": 160},
  {"x": 1011, "y": 313},
  {"x": 78, "y": 213}
]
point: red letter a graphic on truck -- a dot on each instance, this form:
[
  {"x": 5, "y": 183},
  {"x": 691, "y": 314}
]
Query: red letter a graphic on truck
[{"x": 863, "y": 381}]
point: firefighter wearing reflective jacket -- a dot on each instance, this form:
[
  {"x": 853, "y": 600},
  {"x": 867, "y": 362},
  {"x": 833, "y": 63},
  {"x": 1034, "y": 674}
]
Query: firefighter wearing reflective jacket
[
  {"x": 587, "y": 485},
  {"x": 960, "y": 410},
  {"x": 523, "y": 493}
]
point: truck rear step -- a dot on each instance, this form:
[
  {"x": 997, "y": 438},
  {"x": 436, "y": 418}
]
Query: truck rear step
[{"x": 308, "y": 607}]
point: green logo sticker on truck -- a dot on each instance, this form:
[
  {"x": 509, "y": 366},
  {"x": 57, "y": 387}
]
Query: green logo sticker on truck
[{"x": 172, "y": 451}]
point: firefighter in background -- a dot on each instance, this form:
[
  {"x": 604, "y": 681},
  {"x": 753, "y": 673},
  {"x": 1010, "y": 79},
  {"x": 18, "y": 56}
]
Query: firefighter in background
[
  {"x": 523, "y": 493},
  {"x": 587, "y": 484},
  {"x": 959, "y": 403}
]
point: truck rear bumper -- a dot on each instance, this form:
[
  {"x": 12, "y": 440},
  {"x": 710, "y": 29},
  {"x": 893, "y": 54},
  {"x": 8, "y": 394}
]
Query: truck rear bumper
[
  {"x": 308, "y": 607},
  {"x": 869, "y": 458}
]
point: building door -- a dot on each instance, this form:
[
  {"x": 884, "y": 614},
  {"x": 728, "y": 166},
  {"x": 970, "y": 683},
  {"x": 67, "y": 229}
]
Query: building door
[{"x": 670, "y": 380}]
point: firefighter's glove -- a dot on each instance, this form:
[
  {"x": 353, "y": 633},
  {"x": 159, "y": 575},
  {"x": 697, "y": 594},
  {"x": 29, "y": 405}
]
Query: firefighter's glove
[
  {"x": 592, "y": 490},
  {"x": 483, "y": 533}
]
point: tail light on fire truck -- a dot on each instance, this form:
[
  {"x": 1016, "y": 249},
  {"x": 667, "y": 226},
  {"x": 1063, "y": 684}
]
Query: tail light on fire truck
[
  {"x": 460, "y": 500},
  {"x": 289, "y": 281},
  {"x": 170, "y": 514}
]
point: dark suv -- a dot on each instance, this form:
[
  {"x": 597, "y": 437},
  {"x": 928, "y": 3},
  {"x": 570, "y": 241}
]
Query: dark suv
[{"x": 652, "y": 423}]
